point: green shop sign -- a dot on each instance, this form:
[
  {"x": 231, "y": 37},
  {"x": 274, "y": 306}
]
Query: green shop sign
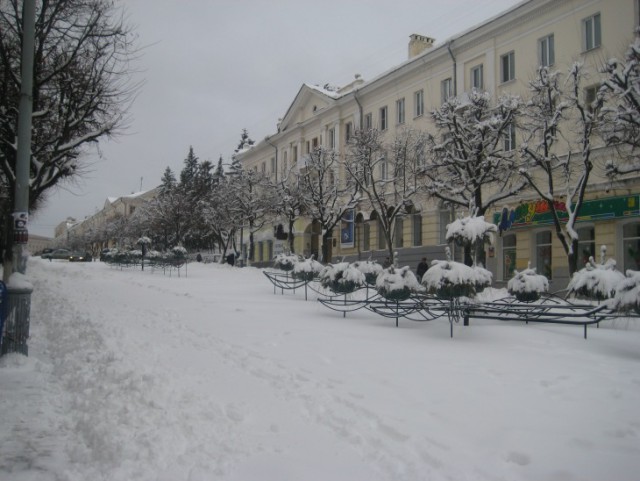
[{"x": 538, "y": 212}]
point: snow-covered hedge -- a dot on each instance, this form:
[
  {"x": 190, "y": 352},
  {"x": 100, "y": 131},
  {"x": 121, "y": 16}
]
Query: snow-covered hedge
[
  {"x": 285, "y": 262},
  {"x": 370, "y": 269},
  {"x": 397, "y": 284},
  {"x": 528, "y": 285},
  {"x": 627, "y": 296},
  {"x": 179, "y": 252},
  {"x": 470, "y": 230},
  {"x": 596, "y": 281},
  {"x": 450, "y": 279},
  {"x": 341, "y": 278},
  {"x": 307, "y": 270}
]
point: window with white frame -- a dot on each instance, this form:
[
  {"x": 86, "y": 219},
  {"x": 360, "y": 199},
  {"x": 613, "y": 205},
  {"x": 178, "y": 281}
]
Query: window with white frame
[
  {"x": 446, "y": 89},
  {"x": 348, "y": 131},
  {"x": 508, "y": 67},
  {"x": 510, "y": 137},
  {"x": 591, "y": 32},
  {"x": 384, "y": 169},
  {"x": 332, "y": 138},
  {"x": 368, "y": 121},
  {"x": 418, "y": 103},
  {"x": 383, "y": 118},
  {"x": 400, "y": 111},
  {"x": 477, "y": 77},
  {"x": 590, "y": 96},
  {"x": 446, "y": 217},
  {"x": 546, "y": 51},
  {"x": 631, "y": 246},
  {"x": 273, "y": 165},
  {"x": 543, "y": 253}
]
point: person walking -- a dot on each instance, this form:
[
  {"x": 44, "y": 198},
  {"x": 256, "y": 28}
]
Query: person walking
[{"x": 423, "y": 266}]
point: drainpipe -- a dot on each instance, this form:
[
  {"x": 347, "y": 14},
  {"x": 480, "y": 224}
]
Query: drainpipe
[{"x": 455, "y": 69}]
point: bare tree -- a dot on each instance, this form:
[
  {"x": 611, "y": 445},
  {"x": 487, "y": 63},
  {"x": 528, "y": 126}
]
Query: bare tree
[
  {"x": 326, "y": 197},
  {"x": 289, "y": 201},
  {"x": 386, "y": 174},
  {"x": 620, "y": 117},
  {"x": 472, "y": 159},
  {"x": 560, "y": 125},
  {"x": 81, "y": 91}
]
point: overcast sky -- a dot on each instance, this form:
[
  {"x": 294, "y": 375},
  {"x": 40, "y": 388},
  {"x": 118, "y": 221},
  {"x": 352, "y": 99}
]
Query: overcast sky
[{"x": 213, "y": 67}]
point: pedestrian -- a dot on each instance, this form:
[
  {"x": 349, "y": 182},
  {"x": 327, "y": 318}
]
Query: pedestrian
[{"x": 423, "y": 266}]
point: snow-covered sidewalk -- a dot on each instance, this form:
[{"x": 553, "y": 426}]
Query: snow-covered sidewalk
[{"x": 139, "y": 376}]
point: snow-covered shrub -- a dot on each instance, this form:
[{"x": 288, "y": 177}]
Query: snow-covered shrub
[
  {"x": 596, "y": 281},
  {"x": 285, "y": 262},
  {"x": 179, "y": 252},
  {"x": 450, "y": 279},
  {"x": 527, "y": 285},
  {"x": 341, "y": 278},
  {"x": 470, "y": 230},
  {"x": 397, "y": 284},
  {"x": 627, "y": 296},
  {"x": 307, "y": 270},
  {"x": 144, "y": 240},
  {"x": 370, "y": 269}
]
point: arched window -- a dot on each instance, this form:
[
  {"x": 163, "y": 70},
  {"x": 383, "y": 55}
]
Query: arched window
[
  {"x": 631, "y": 246},
  {"x": 508, "y": 256},
  {"x": 543, "y": 253}
]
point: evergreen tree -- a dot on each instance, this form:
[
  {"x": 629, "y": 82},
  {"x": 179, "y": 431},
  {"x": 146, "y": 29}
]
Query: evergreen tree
[
  {"x": 190, "y": 169},
  {"x": 168, "y": 181}
]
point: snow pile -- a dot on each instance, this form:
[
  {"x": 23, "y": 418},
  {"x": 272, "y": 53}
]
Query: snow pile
[
  {"x": 370, "y": 269},
  {"x": 527, "y": 285},
  {"x": 596, "y": 281},
  {"x": 18, "y": 281},
  {"x": 627, "y": 295},
  {"x": 469, "y": 230},
  {"x": 450, "y": 279},
  {"x": 341, "y": 278},
  {"x": 285, "y": 262},
  {"x": 397, "y": 283},
  {"x": 307, "y": 269}
]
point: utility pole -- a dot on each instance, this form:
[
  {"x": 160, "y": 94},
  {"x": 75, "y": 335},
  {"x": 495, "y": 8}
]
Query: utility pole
[
  {"x": 23, "y": 154},
  {"x": 16, "y": 325}
]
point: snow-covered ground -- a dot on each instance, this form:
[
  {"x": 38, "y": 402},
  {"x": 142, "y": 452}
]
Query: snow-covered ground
[{"x": 141, "y": 376}]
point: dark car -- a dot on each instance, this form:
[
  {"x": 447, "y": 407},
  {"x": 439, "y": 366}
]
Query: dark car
[
  {"x": 80, "y": 257},
  {"x": 57, "y": 254}
]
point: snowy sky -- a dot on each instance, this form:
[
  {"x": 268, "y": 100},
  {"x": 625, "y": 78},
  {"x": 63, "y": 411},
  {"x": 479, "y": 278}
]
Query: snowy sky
[{"x": 212, "y": 68}]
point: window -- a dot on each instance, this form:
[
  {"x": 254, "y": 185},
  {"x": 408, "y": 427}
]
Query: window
[
  {"x": 368, "y": 121},
  {"x": 417, "y": 230},
  {"x": 366, "y": 232},
  {"x": 446, "y": 217},
  {"x": 382, "y": 242},
  {"x": 400, "y": 111},
  {"x": 546, "y": 51},
  {"x": 510, "y": 137},
  {"x": 348, "y": 131},
  {"x": 586, "y": 245},
  {"x": 332, "y": 138},
  {"x": 477, "y": 80},
  {"x": 307, "y": 147},
  {"x": 590, "y": 96},
  {"x": 543, "y": 253},
  {"x": 384, "y": 170},
  {"x": 295, "y": 153},
  {"x": 508, "y": 256},
  {"x": 446, "y": 89},
  {"x": 263, "y": 168},
  {"x": 399, "y": 232},
  {"x": 383, "y": 118},
  {"x": 418, "y": 103},
  {"x": 314, "y": 143},
  {"x": 631, "y": 246},
  {"x": 508, "y": 67},
  {"x": 273, "y": 164},
  {"x": 591, "y": 33}
]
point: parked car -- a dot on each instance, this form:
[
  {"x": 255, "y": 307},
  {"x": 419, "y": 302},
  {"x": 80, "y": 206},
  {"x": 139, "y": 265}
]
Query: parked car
[
  {"x": 80, "y": 257},
  {"x": 57, "y": 254}
]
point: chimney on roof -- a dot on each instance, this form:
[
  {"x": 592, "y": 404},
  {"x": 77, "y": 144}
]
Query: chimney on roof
[{"x": 418, "y": 44}]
